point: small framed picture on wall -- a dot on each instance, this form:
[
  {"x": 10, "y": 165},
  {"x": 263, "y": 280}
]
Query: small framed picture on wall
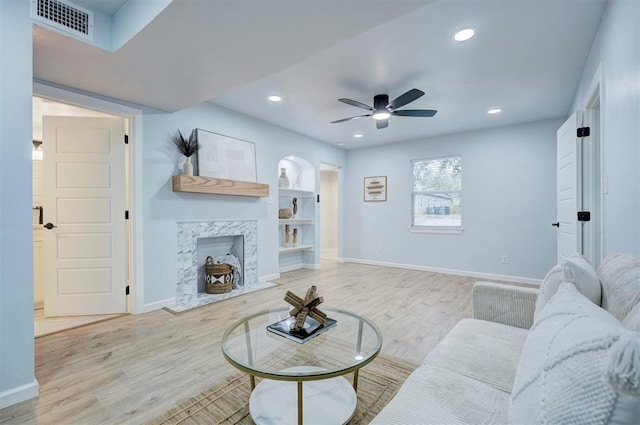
[{"x": 375, "y": 189}]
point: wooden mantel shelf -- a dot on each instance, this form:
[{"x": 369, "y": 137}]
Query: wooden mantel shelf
[{"x": 215, "y": 186}]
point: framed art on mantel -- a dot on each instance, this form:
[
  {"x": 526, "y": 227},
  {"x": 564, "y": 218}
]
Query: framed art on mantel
[
  {"x": 225, "y": 157},
  {"x": 375, "y": 188}
]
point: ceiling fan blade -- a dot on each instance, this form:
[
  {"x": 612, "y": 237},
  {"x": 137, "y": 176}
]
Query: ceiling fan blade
[
  {"x": 350, "y": 118},
  {"x": 380, "y": 124},
  {"x": 415, "y": 113},
  {"x": 356, "y": 104},
  {"x": 405, "y": 98}
]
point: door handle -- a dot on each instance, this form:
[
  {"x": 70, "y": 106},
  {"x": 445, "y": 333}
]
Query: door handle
[
  {"x": 49, "y": 226},
  {"x": 557, "y": 224}
]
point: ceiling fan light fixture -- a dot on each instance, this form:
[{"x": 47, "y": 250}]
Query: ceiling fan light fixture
[
  {"x": 464, "y": 34},
  {"x": 380, "y": 115}
]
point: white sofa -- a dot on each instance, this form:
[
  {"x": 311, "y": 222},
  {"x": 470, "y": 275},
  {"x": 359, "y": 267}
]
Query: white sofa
[{"x": 469, "y": 377}]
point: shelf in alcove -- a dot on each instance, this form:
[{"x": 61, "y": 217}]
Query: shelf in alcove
[
  {"x": 296, "y": 192},
  {"x": 215, "y": 186},
  {"x": 296, "y": 221},
  {"x": 297, "y": 248}
]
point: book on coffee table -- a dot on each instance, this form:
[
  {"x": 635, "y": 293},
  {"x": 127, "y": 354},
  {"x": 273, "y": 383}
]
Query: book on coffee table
[{"x": 311, "y": 328}]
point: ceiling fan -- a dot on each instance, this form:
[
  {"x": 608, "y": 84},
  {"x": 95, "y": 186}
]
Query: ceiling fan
[{"x": 383, "y": 109}]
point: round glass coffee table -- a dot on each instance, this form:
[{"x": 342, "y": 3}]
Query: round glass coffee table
[{"x": 303, "y": 382}]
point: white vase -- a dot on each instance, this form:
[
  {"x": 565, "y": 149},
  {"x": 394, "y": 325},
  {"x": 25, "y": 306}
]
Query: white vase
[
  {"x": 187, "y": 167},
  {"x": 283, "y": 181}
]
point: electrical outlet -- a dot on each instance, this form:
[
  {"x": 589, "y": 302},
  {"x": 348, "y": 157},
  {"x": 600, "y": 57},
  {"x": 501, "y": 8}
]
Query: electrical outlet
[{"x": 505, "y": 259}]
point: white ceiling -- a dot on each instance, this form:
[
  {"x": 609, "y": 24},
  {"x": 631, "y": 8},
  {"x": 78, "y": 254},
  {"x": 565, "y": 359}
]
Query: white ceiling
[{"x": 526, "y": 58}]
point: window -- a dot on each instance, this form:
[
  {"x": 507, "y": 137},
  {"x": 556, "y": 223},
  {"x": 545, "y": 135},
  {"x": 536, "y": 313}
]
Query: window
[{"x": 437, "y": 195}]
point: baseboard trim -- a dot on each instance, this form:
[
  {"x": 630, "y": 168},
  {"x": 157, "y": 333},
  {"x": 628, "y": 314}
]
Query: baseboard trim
[
  {"x": 269, "y": 277},
  {"x": 38, "y": 305},
  {"x": 157, "y": 305},
  {"x": 299, "y": 266},
  {"x": 481, "y": 275},
  {"x": 19, "y": 394}
]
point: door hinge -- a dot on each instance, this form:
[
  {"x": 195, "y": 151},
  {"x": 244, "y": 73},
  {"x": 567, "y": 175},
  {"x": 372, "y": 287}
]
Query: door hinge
[
  {"x": 126, "y": 215},
  {"x": 318, "y": 198},
  {"x": 584, "y": 132},
  {"x": 126, "y": 139},
  {"x": 584, "y": 215},
  {"x": 126, "y": 290}
]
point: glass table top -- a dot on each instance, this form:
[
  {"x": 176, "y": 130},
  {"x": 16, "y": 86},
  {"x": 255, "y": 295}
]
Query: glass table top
[{"x": 348, "y": 345}]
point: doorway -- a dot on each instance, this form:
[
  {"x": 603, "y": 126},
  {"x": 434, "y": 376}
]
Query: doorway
[
  {"x": 329, "y": 212},
  {"x": 581, "y": 181},
  {"x": 42, "y": 279},
  {"x": 591, "y": 176}
]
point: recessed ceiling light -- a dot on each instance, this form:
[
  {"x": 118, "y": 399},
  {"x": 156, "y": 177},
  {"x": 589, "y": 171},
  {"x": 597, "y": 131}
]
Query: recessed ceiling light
[
  {"x": 274, "y": 98},
  {"x": 357, "y": 135},
  {"x": 494, "y": 111},
  {"x": 464, "y": 34},
  {"x": 381, "y": 115}
]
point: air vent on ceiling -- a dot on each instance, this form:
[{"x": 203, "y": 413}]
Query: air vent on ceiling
[{"x": 65, "y": 16}]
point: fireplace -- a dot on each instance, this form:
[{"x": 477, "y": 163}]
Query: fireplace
[
  {"x": 218, "y": 247},
  {"x": 199, "y": 239}
]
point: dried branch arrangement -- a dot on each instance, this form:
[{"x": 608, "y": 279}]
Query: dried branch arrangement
[{"x": 186, "y": 147}]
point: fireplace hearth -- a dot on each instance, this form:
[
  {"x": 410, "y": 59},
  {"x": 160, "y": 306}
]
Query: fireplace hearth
[{"x": 196, "y": 241}]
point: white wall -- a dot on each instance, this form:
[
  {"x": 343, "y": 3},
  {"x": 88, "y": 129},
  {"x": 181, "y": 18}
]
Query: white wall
[
  {"x": 17, "y": 381},
  {"x": 164, "y": 208},
  {"x": 617, "y": 48},
  {"x": 508, "y": 203}
]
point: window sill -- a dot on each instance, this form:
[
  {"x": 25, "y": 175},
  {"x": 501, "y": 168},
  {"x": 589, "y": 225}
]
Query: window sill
[{"x": 438, "y": 230}]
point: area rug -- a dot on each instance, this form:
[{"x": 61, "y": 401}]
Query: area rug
[{"x": 227, "y": 402}]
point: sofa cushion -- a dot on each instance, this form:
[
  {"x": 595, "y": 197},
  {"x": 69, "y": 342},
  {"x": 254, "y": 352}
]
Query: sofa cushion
[
  {"x": 561, "y": 373},
  {"x": 485, "y": 351},
  {"x": 434, "y": 396},
  {"x": 619, "y": 275}
]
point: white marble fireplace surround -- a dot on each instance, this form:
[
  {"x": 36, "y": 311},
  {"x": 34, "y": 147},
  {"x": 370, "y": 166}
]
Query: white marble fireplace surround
[{"x": 187, "y": 295}]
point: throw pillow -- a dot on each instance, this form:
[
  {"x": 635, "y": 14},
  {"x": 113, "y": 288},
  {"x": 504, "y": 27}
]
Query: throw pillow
[
  {"x": 548, "y": 287},
  {"x": 577, "y": 270},
  {"x": 620, "y": 278},
  {"x": 573, "y": 269},
  {"x": 579, "y": 365}
]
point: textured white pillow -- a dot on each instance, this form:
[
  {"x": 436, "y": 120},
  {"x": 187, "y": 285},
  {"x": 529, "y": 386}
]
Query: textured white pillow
[
  {"x": 573, "y": 269},
  {"x": 620, "y": 278},
  {"x": 577, "y": 270},
  {"x": 548, "y": 287},
  {"x": 574, "y": 355}
]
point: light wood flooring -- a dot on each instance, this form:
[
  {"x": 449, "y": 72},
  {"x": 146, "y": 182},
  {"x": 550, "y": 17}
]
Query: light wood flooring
[
  {"x": 132, "y": 368},
  {"x": 50, "y": 325}
]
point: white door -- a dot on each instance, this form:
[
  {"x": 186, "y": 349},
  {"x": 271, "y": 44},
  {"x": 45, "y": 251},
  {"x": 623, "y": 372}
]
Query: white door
[
  {"x": 568, "y": 187},
  {"x": 84, "y": 201}
]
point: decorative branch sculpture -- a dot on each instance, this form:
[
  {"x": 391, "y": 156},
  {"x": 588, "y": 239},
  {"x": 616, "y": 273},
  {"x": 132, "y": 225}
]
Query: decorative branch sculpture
[{"x": 305, "y": 307}]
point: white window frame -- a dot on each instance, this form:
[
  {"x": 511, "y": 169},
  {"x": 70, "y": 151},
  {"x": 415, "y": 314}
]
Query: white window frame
[{"x": 434, "y": 229}]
